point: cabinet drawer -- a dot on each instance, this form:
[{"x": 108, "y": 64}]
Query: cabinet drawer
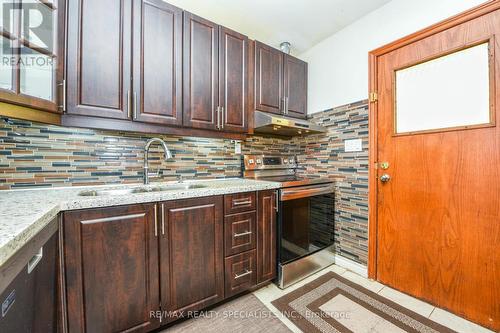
[
  {"x": 239, "y": 233},
  {"x": 239, "y": 203},
  {"x": 240, "y": 273}
]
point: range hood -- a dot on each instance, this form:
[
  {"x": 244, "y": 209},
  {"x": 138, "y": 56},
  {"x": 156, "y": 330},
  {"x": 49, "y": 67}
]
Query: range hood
[{"x": 270, "y": 124}]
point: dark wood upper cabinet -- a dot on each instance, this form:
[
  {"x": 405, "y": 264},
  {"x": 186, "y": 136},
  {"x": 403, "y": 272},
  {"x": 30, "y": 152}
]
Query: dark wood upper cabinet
[
  {"x": 233, "y": 85},
  {"x": 201, "y": 54},
  {"x": 266, "y": 235},
  {"x": 99, "y": 58},
  {"x": 191, "y": 247},
  {"x": 157, "y": 62},
  {"x": 280, "y": 82},
  {"x": 295, "y": 83},
  {"x": 269, "y": 93},
  {"x": 111, "y": 265},
  {"x": 34, "y": 76}
]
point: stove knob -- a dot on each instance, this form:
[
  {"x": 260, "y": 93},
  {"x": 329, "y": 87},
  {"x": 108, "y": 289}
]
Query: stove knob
[
  {"x": 285, "y": 161},
  {"x": 250, "y": 161},
  {"x": 259, "y": 161}
]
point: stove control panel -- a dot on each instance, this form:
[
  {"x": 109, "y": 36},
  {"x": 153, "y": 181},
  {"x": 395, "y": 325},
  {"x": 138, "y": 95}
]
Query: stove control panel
[{"x": 262, "y": 162}]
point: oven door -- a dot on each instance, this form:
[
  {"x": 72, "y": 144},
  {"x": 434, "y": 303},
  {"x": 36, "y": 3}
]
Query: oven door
[{"x": 305, "y": 221}]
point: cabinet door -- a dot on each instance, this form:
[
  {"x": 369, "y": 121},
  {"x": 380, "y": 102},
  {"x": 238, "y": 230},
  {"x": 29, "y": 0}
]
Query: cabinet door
[
  {"x": 98, "y": 58},
  {"x": 157, "y": 62},
  {"x": 201, "y": 54},
  {"x": 233, "y": 88},
  {"x": 266, "y": 236},
  {"x": 111, "y": 263},
  {"x": 240, "y": 273},
  {"x": 295, "y": 87},
  {"x": 191, "y": 247},
  {"x": 268, "y": 79},
  {"x": 32, "y": 59},
  {"x": 239, "y": 233}
]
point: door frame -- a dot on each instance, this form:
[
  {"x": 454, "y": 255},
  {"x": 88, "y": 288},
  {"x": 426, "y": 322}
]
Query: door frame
[{"x": 453, "y": 21}]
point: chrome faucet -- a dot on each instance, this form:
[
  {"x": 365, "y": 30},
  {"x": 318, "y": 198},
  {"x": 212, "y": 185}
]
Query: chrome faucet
[{"x": 168, "y": 155}]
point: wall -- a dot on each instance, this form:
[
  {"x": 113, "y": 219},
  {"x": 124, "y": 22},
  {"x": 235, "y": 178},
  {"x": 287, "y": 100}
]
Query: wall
[
  {"x": 323, "y": 155},
  {"x": 38, "y": 155},
  {"x": 338, "y": 66}
]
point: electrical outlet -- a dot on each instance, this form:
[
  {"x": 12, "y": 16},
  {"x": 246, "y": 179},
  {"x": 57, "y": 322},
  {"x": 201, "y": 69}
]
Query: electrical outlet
[{"x": 237, "y": 146}]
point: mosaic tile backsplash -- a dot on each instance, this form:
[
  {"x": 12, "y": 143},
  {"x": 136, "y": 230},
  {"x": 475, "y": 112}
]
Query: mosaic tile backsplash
[
  {"x": 323, "y": 155},
  {"x": 37, "y": 155}
]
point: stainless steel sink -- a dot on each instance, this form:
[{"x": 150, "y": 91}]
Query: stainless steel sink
[{"x": 136, "y": 190}]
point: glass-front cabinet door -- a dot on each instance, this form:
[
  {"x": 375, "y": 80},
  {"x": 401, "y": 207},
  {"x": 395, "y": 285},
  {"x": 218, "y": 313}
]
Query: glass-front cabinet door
[{"x": 31, "y": 53}]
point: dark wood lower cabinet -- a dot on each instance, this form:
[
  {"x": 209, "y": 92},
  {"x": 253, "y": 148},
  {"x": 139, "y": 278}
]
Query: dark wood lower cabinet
[
  {"x": 125, "y": 265},
  {"x": 266, "y": 236},
  {"x": 191, "y": 260},
  {"x": 239, "y": 233},
  {"x": 111, "y": 264},
  {"x": 240, "y": 272}
]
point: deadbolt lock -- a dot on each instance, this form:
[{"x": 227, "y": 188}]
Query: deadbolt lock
[{"x": 384, "y": 165}]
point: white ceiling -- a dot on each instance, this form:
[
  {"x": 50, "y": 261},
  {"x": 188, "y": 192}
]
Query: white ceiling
[{"x": 303, "y": 23}]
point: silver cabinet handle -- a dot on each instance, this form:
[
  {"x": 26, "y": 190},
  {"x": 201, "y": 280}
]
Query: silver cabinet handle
[
  {"x": 286, "y": 105},
  {"x": 135, "y": 105},
  {"x": 221, "y": 117},
  {"x": 242, "y": 234},
  {"x": 217, "y": 122},
  {"x": 163, "y": 219},
  {"x": 35, "y": 260},
  {"x": 239, "y": 203},
  {"x": 276, "y": 201},
  {"x": 129, "y": 110},
  {"x": 64, "y": 91},
  {"x": 247, "y": 272},
  {"x": 156, "y": 220}
]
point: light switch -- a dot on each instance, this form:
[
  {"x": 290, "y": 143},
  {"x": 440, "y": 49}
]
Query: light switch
[{"x": 353, "y": 145}]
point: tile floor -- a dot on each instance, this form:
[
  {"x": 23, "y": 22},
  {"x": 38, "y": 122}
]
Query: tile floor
[{"x": 269, "y": 293}]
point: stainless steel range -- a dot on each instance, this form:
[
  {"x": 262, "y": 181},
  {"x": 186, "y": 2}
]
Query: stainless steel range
[{"x": 305, "y": 216}]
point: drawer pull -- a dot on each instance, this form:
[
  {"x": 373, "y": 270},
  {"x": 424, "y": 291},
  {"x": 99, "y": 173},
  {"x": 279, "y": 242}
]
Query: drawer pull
[
  {"x": 156, "y": 219},
  {"x": 242, "y": 234},
  {"x": 247, "y": 272},
  {"x": 240, "y": 203}
]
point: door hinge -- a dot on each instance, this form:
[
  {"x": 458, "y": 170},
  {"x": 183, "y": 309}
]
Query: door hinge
[{"x": 373, "y": 97}]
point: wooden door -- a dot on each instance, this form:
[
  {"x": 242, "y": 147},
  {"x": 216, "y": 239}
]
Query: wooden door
[
  {"x": 268, "y": 79},
  {"x": 295, "y": 84},
  {"x": 99, "y": 58},
  {"x": 111, "y": 265},
  {"x": 157, "y": 93},
  {"x": 191, "y": 254},
  {"x": 233, "y": 86},
  {"x": 266, "y": 235},
  {"x": 437, "y": 220},
  {"x": 201, "y": 83}
]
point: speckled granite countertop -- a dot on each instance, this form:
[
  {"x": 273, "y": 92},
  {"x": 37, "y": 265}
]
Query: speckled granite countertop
[{"x": 23, "y": 213}]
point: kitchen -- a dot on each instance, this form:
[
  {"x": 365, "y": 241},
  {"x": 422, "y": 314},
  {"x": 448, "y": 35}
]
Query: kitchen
[{"x": 177, "y": 159}]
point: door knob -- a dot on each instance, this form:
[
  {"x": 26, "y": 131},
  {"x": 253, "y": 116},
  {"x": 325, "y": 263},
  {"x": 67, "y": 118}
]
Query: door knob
[{"x": 385, "y": 178}]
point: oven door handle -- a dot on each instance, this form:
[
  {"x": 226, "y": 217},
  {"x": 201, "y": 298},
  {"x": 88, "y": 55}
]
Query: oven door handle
[{"x": 305, "y": 191}]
